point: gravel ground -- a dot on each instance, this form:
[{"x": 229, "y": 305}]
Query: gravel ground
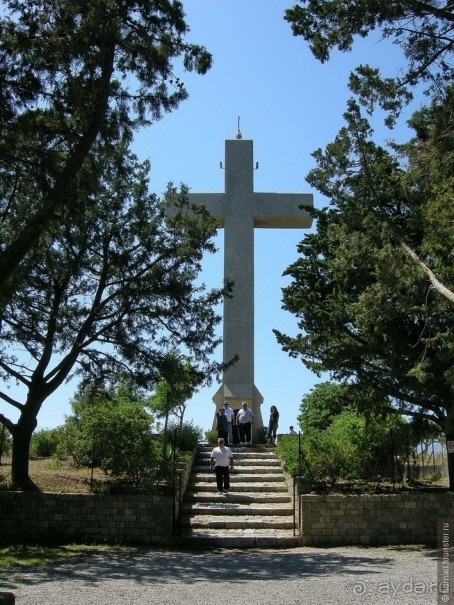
[{"x": 316, "y": 576}]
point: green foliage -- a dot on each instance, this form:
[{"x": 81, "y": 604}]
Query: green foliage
[
  {"x": 84, "y": 307},
  {"x": 287, "y": 448},
  {"x": 335, "y": 452},
  {"x": 136, "y": 461},
  {"x": 185, "y": 437},
  {"x": 211, "y": 437},
  {"x": 92, "y": 275},
  {"x": 373, "y": 288},
  {"x": 113, "y": 430},
  {"x": 341, "y": 443},
  {"x": 369, "y": 313},
  {"x": 5, "y": 442},
  {"x": 179, "y": 381},
  {"x": 68, "y": 83},
  {"x": 76, "y": 443},
  {"x": 323, "y": 403},
  {"x": 44, "y": 443},
  {"x": 423, "y": 30}
]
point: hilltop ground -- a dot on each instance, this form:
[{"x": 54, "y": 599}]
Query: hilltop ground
[{"x": 51, "y": 475}]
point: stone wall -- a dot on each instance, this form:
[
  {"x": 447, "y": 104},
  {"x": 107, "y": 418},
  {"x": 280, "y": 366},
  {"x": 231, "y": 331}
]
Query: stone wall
[
  {"x": 28, "y": 517},
  {"x": 406, "y": 518}
]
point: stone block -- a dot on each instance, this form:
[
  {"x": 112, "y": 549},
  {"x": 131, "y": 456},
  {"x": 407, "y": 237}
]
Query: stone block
[
  {"x": 411, "y": 505},
  {"x": 7, "y": 598}
]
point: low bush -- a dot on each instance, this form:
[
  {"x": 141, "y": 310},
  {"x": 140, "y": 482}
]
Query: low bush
[
  {"x": 187, "y": 437},
  {"x": 44, "y": 443},
  {"x": 211, "y": 437}
]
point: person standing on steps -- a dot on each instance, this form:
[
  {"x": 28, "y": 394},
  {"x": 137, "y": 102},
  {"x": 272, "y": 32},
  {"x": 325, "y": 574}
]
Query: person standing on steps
[
  {"x": 222, "y": 425},
  {"x": 245, "y": 420},
  {"x": 272, "y": 425},
  {"x": 229, "y": 414},
  {"x": 222, "y": 462}
]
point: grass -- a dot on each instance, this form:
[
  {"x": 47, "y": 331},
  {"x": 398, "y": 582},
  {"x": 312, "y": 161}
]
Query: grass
[
  {"x": 51, "y": 475},
  {"x": 31, "y": 556}
]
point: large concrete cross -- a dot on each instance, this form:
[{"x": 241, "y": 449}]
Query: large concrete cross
[{"x": 239, "y": 210}]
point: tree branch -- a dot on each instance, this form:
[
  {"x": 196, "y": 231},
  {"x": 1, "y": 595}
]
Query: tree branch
[
  {"x": 15, "y": 252},
  {"x": 434, "y": 280}
]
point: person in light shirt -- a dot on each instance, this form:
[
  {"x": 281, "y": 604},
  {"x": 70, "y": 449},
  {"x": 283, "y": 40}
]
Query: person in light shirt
[
  {"x": 229, "y": 414},
  {"x": 245, "y": 420},
  {"x": 222, "y": 462}
]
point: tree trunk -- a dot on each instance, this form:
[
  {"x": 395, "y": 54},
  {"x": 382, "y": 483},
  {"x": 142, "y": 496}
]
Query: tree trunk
[{"x": 22, "y": 434}]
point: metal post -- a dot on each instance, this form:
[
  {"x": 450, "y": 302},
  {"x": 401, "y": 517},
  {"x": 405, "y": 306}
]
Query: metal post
[
  {"x": 294, "y": 504},
  {"x": 392, "y": 458}
]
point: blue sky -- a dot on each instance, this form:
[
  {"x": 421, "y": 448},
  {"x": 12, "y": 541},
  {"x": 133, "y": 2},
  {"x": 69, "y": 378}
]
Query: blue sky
[{"x": 289, "y": 104}]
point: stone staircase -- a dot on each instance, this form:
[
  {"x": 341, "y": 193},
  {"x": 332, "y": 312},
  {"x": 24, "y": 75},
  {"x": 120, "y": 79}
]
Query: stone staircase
[{"x": 258, "y": 511}]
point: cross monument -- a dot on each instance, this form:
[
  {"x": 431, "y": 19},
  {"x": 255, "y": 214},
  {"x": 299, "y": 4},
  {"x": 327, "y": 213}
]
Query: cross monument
[{"x": 238, "y": 211}]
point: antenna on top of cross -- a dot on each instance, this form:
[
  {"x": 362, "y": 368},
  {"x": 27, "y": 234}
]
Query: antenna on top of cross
[{"x": 238, "y": 134}]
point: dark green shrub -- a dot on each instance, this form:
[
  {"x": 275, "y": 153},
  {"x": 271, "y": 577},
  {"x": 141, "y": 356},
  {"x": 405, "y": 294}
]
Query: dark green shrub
[
  {"x": 287, "y": 450},
  {"x": 44, "y": 443},
  {"x": 185, "y": 438},
  {"x": 326, "y": 455},
  {"x": 211, "y": 437},
  {"x": 335, "y": 453},
  {"x": 6, "y": 442}
]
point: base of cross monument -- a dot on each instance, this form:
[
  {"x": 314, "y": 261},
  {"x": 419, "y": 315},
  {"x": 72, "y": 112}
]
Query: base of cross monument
[{"x": 235, "y": 394}]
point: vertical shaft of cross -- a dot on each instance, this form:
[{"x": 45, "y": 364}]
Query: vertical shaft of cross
[{"x": 238, "y": 335}]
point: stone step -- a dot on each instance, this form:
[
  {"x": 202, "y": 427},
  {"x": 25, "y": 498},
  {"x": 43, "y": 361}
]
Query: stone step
[
  {"x": 249, "y": 462},
  {"x": 251, "y": 451},
  {"x": 245, "y": 498},
  {"x": 257, "y": 513},
  {"x": 203, "y": 486},
  {"x": 237, "y": 539},
  {"x": 242, "y": 470},
  {"x": 242, "y": 465},
  {"x": 237, "y": 447},
  {"x": 240, "y": 477},
  {"x": 242, "y": 454},
  {"x": 246, "y": 522},
  {"x": 225, "y": 507}
]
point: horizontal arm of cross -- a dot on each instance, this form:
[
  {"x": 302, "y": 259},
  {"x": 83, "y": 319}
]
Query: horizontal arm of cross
[
  {"x": 213, "y": 202},
  {"x": 281, "y": 210},
  {"x": 268, "y": 210}
]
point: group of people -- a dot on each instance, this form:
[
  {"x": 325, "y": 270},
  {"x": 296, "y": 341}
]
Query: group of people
[{"x": 226, "y": 419}]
